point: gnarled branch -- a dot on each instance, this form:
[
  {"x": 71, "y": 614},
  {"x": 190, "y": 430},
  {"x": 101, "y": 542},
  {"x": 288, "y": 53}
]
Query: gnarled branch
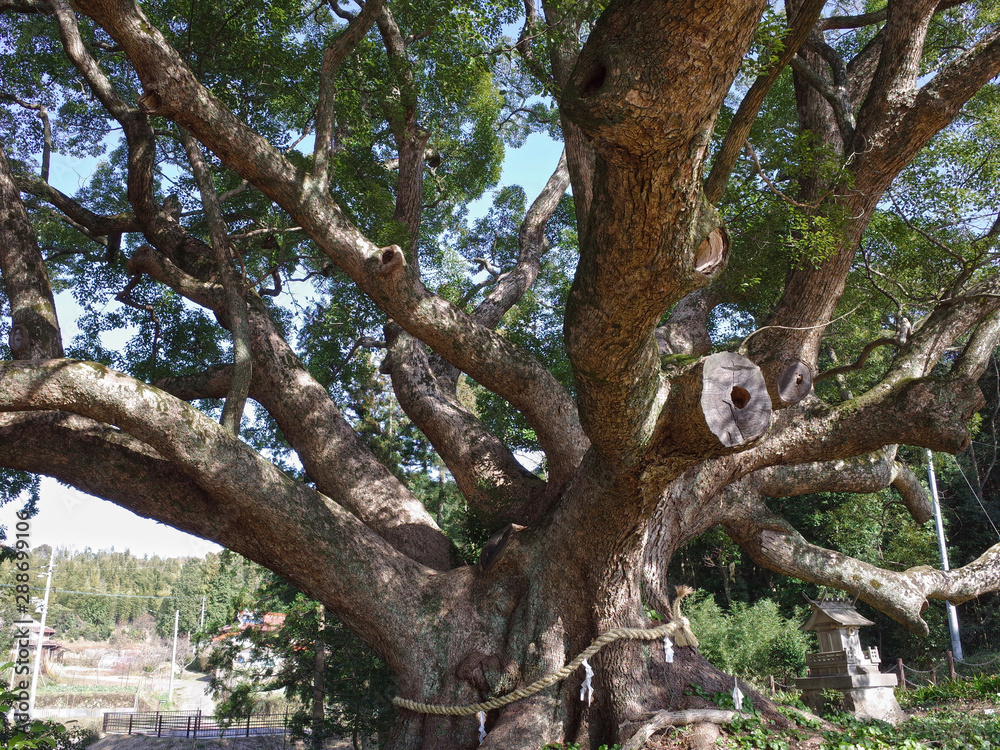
[
  {"x": 472, "y": 348},
  {"x": 339, "y": 49},
  {"x": 772, "y": 543},
  {"x": 532, "y": 244},
  {"x": 866, "y": 473},
  {"x": 494, "y": 484},
  {"x": 239, "y": 480},
  {"x": 686, "y": 330},
  {"x": 313, "y": 425}
]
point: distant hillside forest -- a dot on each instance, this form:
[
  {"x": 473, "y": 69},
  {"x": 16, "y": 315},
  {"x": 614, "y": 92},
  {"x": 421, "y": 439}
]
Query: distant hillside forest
[{"x": 97, "y": 593}]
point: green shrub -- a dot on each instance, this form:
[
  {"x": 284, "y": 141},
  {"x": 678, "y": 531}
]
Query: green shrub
[
  {"x": 982, "y": 687},
  {"x": 751, "y": 642}
]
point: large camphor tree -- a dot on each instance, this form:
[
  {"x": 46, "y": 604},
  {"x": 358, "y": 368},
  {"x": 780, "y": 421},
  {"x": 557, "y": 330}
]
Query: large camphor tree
[{"x": 782, "y": 186}]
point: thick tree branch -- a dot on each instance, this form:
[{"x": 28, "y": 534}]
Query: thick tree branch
[
  {"x": 861, "y": 68},
  {"x": 106, "y": 462},
  {"x": 210, "y": 383},
  {"x": 173, "y": 91},
  {"x": 739, "y": 130},
  {"x": 43, "y": 115},
  {"x": 929, "y": 412},
  {"x": 232, "y": 284},
  {"x": 411, "y": 138},
  {"x": 836, "y": 92},
  {"x": 564, "y": 23},
  {"x": 77, "y": 52},
  {"x": 532, "y": 244},
  {"x": 898, "y": 67},
  {"x": 239, "y": 480},
  {"x": 912, "y": 493},
  {"x": 95, "y": 224},
  {"x": 865, "y": 474},
  {"x": 330, "y": 450},
  {"x": 686, "y": 330},
  {"x": 148, "y": 261},
  {"x": 492, "y": 480},
  {"x": 852, "y": 22},
  {"x": 40, "y": 7},
  {"x": 938, "y": 102},
  {"x": 344, "y": 44},
  {"x": 942, "y": 329},
  {"x": 978, "y": 352},
  {"x": 772, "y": 543},
  {"x": 496, "y": 487},
  {"x": 524, "y": 46},
  {"x": 34, "y": 332},
  {"x": 655, "y": 220}
]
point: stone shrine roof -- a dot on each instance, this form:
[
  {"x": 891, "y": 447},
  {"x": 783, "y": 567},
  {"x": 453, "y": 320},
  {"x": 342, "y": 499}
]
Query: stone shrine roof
[{"x": 833, "y": 613}]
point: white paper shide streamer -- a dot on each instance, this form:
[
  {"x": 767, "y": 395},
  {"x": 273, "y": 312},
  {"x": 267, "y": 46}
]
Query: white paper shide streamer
[
  {"x": 587, "y": 688},
  {"x": 482, "y": 726},
  {"x": 668, "y": 650},
  {"x": 737, "y": 695}
]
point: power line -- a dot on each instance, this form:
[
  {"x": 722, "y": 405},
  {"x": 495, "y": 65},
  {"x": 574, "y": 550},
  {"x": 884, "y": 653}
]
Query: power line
[
  {"x": 976, "y": 495},
  {"x": 98, "y": 593},
  {"x": 979, "y": 442}
]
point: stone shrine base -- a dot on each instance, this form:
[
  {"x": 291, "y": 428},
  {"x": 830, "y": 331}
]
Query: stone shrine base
[{"x": 874, "y": 700}]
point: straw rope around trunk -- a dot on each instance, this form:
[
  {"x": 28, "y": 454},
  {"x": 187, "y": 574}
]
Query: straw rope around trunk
[{"x": 678, "y": 629}]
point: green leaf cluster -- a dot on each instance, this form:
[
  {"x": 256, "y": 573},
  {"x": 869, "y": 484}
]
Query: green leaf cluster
[{"x": 751, "y": 642}]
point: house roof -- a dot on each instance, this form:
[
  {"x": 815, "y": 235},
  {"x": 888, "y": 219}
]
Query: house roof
[
  {"x": 266, "y": 623},
  {"x": 834, "y": 613},
  {"x": 32, "y": 627}
]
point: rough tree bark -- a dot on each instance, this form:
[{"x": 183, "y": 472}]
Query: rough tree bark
[{"x": 660, "y": 440}]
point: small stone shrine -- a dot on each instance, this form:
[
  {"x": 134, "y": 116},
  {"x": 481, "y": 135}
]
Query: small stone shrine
[{"x": 843, "y": 665}]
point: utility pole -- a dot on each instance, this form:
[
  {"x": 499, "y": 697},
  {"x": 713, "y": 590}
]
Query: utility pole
[
  {"x": 201, "y": 622},
  {"x": 956, "y": 640},
  {"x": 41, "y": 636},
  {"x": 173, "y": 658},
  {"x": 319, "y": 689}
]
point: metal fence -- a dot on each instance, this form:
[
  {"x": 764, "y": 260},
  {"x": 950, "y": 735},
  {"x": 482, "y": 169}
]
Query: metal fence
[{"x": 192, "y": 724}]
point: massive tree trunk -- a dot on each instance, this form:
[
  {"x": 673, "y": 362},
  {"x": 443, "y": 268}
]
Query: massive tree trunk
[{"x": 660, "y": 440}]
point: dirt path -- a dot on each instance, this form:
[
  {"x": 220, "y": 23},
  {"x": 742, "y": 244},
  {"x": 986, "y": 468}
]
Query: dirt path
[{"x": 192, "y": 694}]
